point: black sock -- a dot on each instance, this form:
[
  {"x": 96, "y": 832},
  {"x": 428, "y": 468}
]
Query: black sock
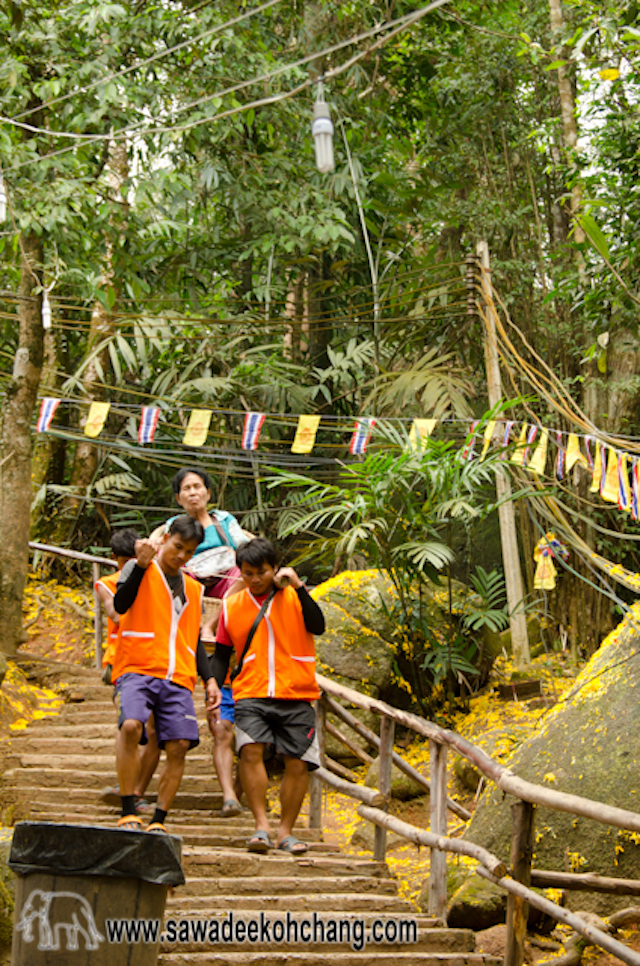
[
  {"x": 158, "y": 816},
  {"x": 128, "y": 805}
]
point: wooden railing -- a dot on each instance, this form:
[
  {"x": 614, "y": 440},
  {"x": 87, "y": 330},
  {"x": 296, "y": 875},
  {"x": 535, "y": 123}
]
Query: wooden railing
[
  {"x": 96, "y": 563},
  {"x": 517, "y": 880}
]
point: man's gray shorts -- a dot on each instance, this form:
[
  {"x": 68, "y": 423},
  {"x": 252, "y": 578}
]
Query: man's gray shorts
[{"x": 290, "y": 726}]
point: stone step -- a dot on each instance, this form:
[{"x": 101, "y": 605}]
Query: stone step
[
  {"x": 99, "y": 814},
  {"x": 371, "y": 956},
  {"x": 204, "y": 862},
  {"x": 26, "y": 797},
  {"x": 93, "y": 781},
  {"x": 198, "y": 764},
  {"x": 258, "y": 888},
  {"x": 188, "y": 906},
  {"x": 334, "y": 932}
]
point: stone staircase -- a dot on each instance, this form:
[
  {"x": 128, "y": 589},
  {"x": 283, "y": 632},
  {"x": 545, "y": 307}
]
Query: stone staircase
[{"x": 54, "y": 770}]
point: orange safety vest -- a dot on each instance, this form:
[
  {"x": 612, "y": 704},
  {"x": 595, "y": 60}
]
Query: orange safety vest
[
  {"x": 154, "y": 639},
  {"x": 281, "y": 661},
  {"x": 113, "y": 629}
]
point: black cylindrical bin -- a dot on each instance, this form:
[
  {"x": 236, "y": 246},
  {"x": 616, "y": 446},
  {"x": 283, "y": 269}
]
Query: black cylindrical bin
[{"x": 88, "y": 895}]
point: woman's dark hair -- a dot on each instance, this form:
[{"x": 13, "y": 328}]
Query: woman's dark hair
[
  {"x": 123, "y": 542},
  {"x": 176, "y": 482},
  {"x": 255, "y": 552},
  {"x": 187, "y": 528}
]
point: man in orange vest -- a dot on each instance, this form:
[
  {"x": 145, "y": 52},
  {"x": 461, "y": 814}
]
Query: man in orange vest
[
  {"x": 273, "y": 685},
  {"x": 158, "y": 656},
  {"x": 123, "y": 547}
]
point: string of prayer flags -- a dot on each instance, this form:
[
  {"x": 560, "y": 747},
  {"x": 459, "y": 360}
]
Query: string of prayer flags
[
  {"x": 538, "y": 461},
  {"x": 148, "y": 424},
  {"x": 305, "y": 434},
  {"x": 521, "y": 446},
  {"x": 48, "y": 407},
  {"x": 96, "y": 418},
  {"x": 597, "y": 468},
  {"x": 361, "y": 436},
  {"x": 610, "y": 478},
  {"x": 488, "y": 436},
  {"x": 467, "y": 452},
  {"x": 624, "y": 491},
  {"x": 560, "y": 456},
  {"x": 197, "y": 427},
  {"x": 420, "y": 432},
  {"x": 253, "y": 423},
  {"x": 573, "y": 453}
]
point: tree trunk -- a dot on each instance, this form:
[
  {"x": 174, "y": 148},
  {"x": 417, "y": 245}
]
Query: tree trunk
[
  {"x": 15, "y": 454},
  {"x": 85, "y": 464}
]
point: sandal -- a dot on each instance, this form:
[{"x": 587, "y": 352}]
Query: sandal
[
  {"x": 259, "y": 842},
  {"x": 230, "y": 808},
  {"x": 131, "y": 823},
  {"x": 293, "y": 845},
  {"x": 156, "y": 827}
]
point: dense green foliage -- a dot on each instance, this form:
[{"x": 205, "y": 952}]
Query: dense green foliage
[{"x": 198, "y": 258}]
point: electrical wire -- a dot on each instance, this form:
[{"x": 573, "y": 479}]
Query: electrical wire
[{"x": 128, "y": 131}]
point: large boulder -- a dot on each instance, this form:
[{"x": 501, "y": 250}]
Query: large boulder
[{"x": 587, "y": 745}]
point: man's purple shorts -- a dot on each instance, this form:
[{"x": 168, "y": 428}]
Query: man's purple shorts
[{"x": 139, "y": 695}]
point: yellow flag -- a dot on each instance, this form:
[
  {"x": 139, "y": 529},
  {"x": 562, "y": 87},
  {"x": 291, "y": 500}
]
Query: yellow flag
[
  {"x": 98, "y": 412},
  {"x": 573, "y": 453},
  {"x": 597, "y": 470},
  {"x": 197, "y": 428},
  {"x": 305, "y": 434},
  {"x": 420, "y": 431},
  {"x": 488, "y": 436},
  {"x": 609, "y": 491},
  {"x": 538, "y": 461},
  {"x": 518, "y": 453}
]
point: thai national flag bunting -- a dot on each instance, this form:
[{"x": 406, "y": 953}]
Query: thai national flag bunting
[
  {"x": 148, "y": 423},
  {"x": 48, "y": 407},
  {"x": 470, "y": 442},
  {"x": 361, "y": 436},
  {"x": 253, "y": 423}
]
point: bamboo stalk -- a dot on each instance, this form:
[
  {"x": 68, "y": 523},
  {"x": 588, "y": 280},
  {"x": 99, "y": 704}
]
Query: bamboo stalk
[
  {"x": 422, "y": 837},
  {"x": 592, "y": 933}
]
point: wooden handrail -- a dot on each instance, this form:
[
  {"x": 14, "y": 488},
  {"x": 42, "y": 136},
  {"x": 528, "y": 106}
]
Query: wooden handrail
[
  {"x": 503, "y": 777},
  {"x": 74, "y": 554}
]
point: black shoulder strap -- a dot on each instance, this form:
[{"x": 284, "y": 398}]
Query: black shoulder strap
[
  {"x": 220, "y": 531},
  {"x": 252, "y": 631}
]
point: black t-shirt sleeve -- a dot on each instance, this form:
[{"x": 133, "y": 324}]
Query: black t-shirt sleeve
[
  {"x": 219, "y": 662},
  {"x": 311, "y": 613},
  {"x": 202, "y": 662},
  {"x": 127, "y": 588}
]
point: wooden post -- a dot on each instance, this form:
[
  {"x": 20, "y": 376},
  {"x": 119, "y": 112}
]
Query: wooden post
[
  {"x": 522, "y": 824},
  {"x": 438, "y": 808},
  {"x": 97, "y": 616},
  {"x": 506, "y": 512},
  {"x": 315, "y": 783},
  {"x": 387, "y": 729}
]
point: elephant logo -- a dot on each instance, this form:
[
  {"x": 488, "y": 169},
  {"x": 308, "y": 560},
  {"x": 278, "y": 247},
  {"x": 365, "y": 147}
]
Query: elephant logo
[{"x": 58, "y": 912}]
